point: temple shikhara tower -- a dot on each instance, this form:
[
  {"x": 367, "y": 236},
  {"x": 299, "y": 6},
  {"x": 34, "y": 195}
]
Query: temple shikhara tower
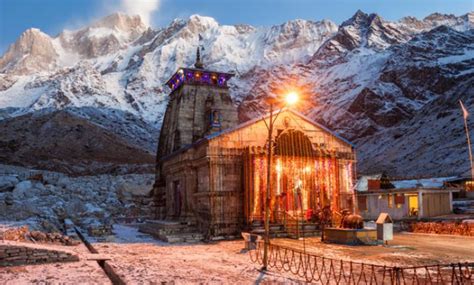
[
  {"x": 211, "y": 170},
  {"x": 199, "y": 105}
]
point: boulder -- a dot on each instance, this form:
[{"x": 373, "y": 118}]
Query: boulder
[
  {"x": 23, "y": 190},
  {"x": 127, "y": 190},
  {"x": 91, "y": 210},
  {"x": 9, "y": 199},
  {"x": 60, "y": 211},
  {"x": 7, "y": 183},
  {"x": 63, "y": 182}
]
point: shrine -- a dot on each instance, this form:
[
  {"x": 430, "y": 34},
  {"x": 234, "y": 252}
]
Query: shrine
[{"x": 211, "y": 170}]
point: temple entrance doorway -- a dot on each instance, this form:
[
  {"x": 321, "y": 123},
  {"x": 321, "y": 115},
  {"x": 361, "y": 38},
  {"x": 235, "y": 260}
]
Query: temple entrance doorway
[{"x": 304, "y": 179}]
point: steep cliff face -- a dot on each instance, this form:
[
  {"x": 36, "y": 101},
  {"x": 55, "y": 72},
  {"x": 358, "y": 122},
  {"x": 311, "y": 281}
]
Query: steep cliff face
[
  {"x": 368, "y": 78},
  {"x": 32, "y": 52}
]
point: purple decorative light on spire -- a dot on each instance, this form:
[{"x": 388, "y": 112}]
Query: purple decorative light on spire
[
  {"x": 221, "y": 80},
  {"x": 198, "y": 76}
]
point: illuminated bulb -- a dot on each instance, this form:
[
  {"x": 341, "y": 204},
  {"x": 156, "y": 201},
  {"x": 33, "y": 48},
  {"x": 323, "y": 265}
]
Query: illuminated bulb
[
  {"x": 291, "y": 98},
  {"x": 278, "y": 167}
]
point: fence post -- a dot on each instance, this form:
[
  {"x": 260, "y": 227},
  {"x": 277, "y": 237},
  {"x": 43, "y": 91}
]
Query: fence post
[{"x": 396, "y": 276}]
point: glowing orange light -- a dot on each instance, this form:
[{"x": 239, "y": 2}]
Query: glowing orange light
[
  {"x": 291, "y": 98},
  {"x": 278, "y": 167}
]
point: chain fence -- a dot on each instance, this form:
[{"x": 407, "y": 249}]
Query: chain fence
[{"x": 322, "y": 270}]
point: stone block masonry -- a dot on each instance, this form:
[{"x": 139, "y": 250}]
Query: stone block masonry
[{"x": 18, "y": 254}]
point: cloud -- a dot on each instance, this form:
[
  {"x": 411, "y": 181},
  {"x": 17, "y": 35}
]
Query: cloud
[{"x": 144, "y": 8}]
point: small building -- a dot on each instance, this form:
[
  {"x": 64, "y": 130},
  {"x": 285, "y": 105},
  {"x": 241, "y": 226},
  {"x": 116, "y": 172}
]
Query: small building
[
  {"x": 409, "y": 199},
  {"x": 211, "y": 170},
  {"x": 463, "y": 182}
]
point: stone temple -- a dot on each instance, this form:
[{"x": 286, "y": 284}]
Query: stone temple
[{"x": 211, "y": 170}]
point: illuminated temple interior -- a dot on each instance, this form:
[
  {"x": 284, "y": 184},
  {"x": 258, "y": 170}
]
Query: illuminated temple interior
[
  {"x": 304, "y": 180},
  {"x": 300, "y": 186}
]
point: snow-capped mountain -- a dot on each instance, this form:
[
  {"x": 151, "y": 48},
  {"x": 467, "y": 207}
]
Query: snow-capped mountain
[{"x": 364, "y": 78}]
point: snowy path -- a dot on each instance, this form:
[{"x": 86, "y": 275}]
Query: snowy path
[{"x": 139, "y": 259}]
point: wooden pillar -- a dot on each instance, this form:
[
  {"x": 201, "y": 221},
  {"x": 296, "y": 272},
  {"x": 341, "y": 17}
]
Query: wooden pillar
[
  {"x": 450, "y": 201},
  {"x": 420, "y": 205}
]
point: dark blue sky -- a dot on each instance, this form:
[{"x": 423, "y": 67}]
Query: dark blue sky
[{"x": 51, "y": 16}]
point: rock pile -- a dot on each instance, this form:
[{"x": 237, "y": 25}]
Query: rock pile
[
  {"x": 92, "y": 203},
  {"x": 52, "y": 238},
  {"x": 24, "y": 235}
]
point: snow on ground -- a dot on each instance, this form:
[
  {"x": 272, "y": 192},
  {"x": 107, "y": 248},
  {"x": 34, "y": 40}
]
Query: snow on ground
[
  {"x": 139, "y": 260},
  {"x": 83, "y": 271},
  {"x": 128, "y": 234}
]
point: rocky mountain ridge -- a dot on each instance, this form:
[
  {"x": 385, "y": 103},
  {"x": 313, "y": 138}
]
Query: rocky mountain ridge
[{"x": 365, "y": 79}]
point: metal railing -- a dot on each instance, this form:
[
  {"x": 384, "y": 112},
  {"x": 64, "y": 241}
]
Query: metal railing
[{"x": 323, "y": 270}]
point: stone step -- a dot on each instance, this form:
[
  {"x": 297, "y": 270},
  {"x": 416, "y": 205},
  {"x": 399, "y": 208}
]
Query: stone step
[
  {"x": 151, "y": 229},
  {"x": 183, "y": 238},
  {"x": 172, "y": 232},
  {"x": 305, "y": 234},
  {"x": 279, "y": 230}
]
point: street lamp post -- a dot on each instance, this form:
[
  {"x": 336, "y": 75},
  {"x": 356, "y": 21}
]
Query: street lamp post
[{"x": 291, "y": 99}]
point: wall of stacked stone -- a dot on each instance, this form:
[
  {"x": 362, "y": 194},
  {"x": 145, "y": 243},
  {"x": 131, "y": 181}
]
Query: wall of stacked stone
[{"x": 12, "y": 255}]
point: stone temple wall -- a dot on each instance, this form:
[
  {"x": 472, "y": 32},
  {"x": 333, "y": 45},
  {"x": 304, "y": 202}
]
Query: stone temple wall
[{"x": 188, "y": 116}]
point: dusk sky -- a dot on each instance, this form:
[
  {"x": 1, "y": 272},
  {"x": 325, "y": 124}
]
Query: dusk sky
[{"x": 52, "y": 16}]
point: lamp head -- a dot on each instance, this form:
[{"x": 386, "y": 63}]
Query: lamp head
[{"x": 291, "y": 98}]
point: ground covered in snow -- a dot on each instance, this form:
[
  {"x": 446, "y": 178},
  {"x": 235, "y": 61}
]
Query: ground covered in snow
[
  {"x": 137, "y": 259},
  {"x": 407, "y": 249},
  {"x": 84, "y": 271}
]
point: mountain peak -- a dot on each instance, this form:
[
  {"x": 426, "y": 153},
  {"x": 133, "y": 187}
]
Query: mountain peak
[
  {"x": 33, "y": 51},
  {"x": 31, "y": 34},
  {"x": 202, "y": 20},
  {"x": 121, "y": 22},
  {"x": 438, "y": 16},
  {"x": 361, "y": 19},
  {"x": 33, "y": 31}
]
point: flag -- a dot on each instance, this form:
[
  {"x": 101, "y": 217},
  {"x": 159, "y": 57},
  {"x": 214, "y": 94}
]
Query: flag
[{"x": 465, "y": 113}]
